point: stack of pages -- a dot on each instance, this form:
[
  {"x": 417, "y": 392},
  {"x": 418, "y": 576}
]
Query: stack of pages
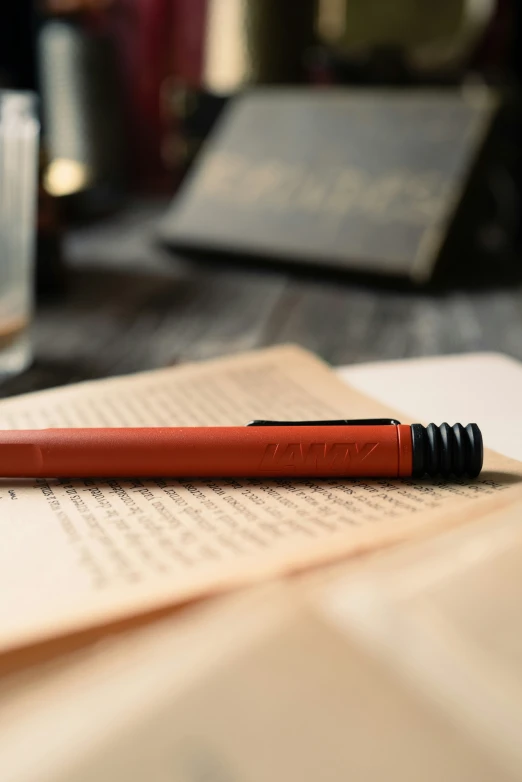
[{"x": 110, "y": 672}]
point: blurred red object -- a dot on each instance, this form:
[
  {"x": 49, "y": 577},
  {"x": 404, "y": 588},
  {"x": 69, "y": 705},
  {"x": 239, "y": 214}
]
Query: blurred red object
[
  {"x": 188, "y": 40},
  {"x": 142, "y": 32},
  {"x": 157, "y": 40}
]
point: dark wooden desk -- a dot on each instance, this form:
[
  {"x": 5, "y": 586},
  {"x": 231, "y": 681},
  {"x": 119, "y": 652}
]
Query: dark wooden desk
[{"x": 131, "y": 307}]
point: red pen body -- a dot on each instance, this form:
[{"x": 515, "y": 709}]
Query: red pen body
[{"x": 204, "y": 452}]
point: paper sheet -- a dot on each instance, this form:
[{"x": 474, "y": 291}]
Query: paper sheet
[
  {"x": 76, "y": 554},
  {"x": 256, "y": 686},
  {"x": 444, "y": 615},
  {"x": 450, "y": 388}
]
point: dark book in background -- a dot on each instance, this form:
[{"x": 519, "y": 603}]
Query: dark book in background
[{"x": 362, "y": 180}]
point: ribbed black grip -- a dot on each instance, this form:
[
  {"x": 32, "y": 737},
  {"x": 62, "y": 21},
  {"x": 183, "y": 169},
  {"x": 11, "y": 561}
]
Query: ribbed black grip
[{"x": 446, "y": 450}]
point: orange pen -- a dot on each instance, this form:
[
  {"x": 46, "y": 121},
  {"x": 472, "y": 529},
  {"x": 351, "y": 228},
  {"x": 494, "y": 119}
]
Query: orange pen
[{"x": 263, "y": 449}]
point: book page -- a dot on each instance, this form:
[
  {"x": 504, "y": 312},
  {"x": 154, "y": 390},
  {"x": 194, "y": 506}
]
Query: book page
[
  {"x": 444, "y": 614},
  {"x": 169, "y": 704},
  {"x": 77, "y": 554}
]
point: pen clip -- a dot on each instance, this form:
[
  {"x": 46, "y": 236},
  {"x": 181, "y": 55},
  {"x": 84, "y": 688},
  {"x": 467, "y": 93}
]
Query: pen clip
[{"x": 340, "y": 422}]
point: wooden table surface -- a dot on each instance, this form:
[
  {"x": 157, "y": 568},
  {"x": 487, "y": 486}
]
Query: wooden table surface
[{"x": 131, "y": 306}]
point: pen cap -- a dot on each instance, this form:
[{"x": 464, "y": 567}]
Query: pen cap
[{"x": 446, "y": 450}]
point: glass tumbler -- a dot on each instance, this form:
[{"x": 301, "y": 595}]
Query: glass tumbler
[{"x": 19, "y": 135}]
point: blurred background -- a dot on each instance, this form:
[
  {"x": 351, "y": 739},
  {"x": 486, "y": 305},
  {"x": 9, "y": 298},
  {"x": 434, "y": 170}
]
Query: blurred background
[{"x": 143, "y": 103}]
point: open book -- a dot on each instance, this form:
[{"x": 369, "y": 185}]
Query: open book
[{"x": 85, "y": 554}]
